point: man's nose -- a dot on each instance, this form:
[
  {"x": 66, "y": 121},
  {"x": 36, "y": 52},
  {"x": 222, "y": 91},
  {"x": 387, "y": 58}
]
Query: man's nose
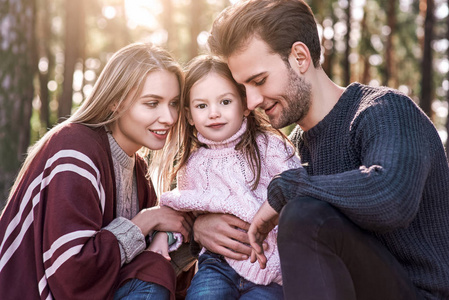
[{"x": 253, "y": 98}]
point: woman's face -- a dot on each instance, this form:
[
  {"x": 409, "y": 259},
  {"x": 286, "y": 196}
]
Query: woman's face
[{"x": 149, "y": 119}]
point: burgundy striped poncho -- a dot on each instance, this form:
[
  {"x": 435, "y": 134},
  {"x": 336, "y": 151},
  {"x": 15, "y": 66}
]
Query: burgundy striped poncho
[{"x": 52, "y": 242}]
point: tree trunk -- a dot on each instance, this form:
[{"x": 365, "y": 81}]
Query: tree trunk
[
  {"x": 43, "y": 46},
  {"x": 124, "y": 30},
  {"x": 389, "y": 78},
  {"x": 195, "y": 26},
  {"x": 17, "y": 69},
  {"x": 447, "y": 93},
  {"x": 74, "y": 24},
  {"x": 329, "y": 48},
  {"x": 346, "y": 63},
  {"x": 426, "y": 65},
  {"x": 365, "y": 48},
  {"x": 169, "y": 25}
]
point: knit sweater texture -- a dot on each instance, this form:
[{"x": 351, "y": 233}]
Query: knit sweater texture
[
  {"x": 378, "y": 159},
  {"x": 218, "y": 179},
  {"x": 130, "y": 239},
  {"x": 125, "y": 180}
]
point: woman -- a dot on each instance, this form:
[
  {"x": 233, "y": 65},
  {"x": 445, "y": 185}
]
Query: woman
[{"x": 78, "y": 215}]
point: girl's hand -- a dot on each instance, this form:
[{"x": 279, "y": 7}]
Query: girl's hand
[
  {"x": 164, "y": 219},
  {"x": 159, "y": 245}
]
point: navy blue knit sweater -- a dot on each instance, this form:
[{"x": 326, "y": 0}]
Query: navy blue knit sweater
[{"x": 379, "y": 159}]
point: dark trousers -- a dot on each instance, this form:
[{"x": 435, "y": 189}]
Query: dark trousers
[{"x": 326, "y": 256}]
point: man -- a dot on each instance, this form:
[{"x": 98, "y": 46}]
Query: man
[{"x": 367, "y": 218}]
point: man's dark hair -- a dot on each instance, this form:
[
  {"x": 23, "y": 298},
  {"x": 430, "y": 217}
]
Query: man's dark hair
[{"x": 279, "y": 23}]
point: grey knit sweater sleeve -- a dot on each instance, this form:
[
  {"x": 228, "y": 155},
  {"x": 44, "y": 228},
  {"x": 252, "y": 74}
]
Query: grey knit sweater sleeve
[
  {"x": 371, "y": 157},
  {"x": 130, "y": 238}
]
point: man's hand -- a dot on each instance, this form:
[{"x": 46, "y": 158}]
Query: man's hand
[
  {"x": 223, "y": 234},
  {"x": 264, "y": 221}
]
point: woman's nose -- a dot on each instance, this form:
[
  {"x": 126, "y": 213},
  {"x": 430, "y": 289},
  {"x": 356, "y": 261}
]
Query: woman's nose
[{"x": 168, "y": 115}]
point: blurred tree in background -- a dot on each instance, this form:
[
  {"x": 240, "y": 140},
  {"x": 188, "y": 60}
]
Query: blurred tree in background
[
  {"x": 51, "y": 53},
  {"x": 17, "y": 70}
]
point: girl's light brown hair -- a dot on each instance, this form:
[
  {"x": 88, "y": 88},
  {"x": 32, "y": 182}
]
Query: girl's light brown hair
[
  {"x": 257, "y": 123},
  {"x": 126, "y": 71}
]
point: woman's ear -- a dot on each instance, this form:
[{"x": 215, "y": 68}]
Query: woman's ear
[
  {"x": 300, "y": 58},
  {"x": 113, "y": 107},
  {"x": 246, "y": 112},
  {"x": 189, "y": 116}
]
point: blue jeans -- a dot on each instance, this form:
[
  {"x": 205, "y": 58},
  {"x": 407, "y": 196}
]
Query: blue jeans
[
  {"x": 136, "y": 289},
  {"x": 216, "y": 280}
]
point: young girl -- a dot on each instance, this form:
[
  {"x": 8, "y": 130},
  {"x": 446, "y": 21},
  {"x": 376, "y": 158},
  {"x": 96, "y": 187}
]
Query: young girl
[
  {"x": 228, "y": 158},
  {"x": 76, "y": 219}
]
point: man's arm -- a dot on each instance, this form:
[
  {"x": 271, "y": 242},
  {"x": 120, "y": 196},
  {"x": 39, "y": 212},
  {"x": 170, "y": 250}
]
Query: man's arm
[
  {"x": 384, "y": 193},
  {"x": 223, "y": 234}
]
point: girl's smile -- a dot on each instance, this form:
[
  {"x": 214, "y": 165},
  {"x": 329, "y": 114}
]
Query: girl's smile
[{"x": 216, "y": 125}]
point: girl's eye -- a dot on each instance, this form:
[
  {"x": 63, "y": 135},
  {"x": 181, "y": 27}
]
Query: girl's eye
[
  {"x": 258, "y": 83},
  {"x": 201, "y": 106},
  {"x": 226, "y": 102}
]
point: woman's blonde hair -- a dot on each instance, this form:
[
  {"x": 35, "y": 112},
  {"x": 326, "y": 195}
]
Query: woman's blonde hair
[{"x": 126, "y": 71}]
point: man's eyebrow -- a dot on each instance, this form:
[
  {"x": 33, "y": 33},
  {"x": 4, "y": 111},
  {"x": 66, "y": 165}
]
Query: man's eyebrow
[{"x": 252, "y": 77}]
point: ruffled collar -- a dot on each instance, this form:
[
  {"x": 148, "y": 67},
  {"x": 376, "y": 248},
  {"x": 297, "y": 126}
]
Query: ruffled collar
[{"x": 228, "y": 143}]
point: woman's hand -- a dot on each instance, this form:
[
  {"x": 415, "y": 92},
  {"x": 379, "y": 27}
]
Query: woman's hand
[
  {"x": 223, "y": 234},
  {"x": 164, "y": 219}
]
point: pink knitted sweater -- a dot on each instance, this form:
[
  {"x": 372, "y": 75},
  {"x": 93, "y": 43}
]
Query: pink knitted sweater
[{"x": 218, "y": 179}]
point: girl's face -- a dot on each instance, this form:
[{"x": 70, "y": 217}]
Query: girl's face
[
  {"x": 148, "y": 120},
  {"x": 215, "y": 107}
]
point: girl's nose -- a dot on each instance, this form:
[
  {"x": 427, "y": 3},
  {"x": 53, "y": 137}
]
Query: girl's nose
[{"x": 214, "y": 112}]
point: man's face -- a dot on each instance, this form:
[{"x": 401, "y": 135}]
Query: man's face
[{"x": 270, "y": 84}]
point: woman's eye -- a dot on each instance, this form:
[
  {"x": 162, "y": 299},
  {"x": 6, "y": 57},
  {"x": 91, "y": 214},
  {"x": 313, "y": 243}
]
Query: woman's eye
[
  {"x": 174, "y": 103},
  {"x": 226, "y": 102},
  {"x": 260, "y": 82},
  {"x": 151, "y": 104},
  {"x": 201, "y": 106}
]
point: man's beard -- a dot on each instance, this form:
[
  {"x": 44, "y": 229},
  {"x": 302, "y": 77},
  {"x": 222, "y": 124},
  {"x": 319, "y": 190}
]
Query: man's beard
[{"x": 297, "y": 100}]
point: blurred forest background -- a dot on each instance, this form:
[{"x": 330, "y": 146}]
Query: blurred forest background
[{"x": 51, "y": 52}]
